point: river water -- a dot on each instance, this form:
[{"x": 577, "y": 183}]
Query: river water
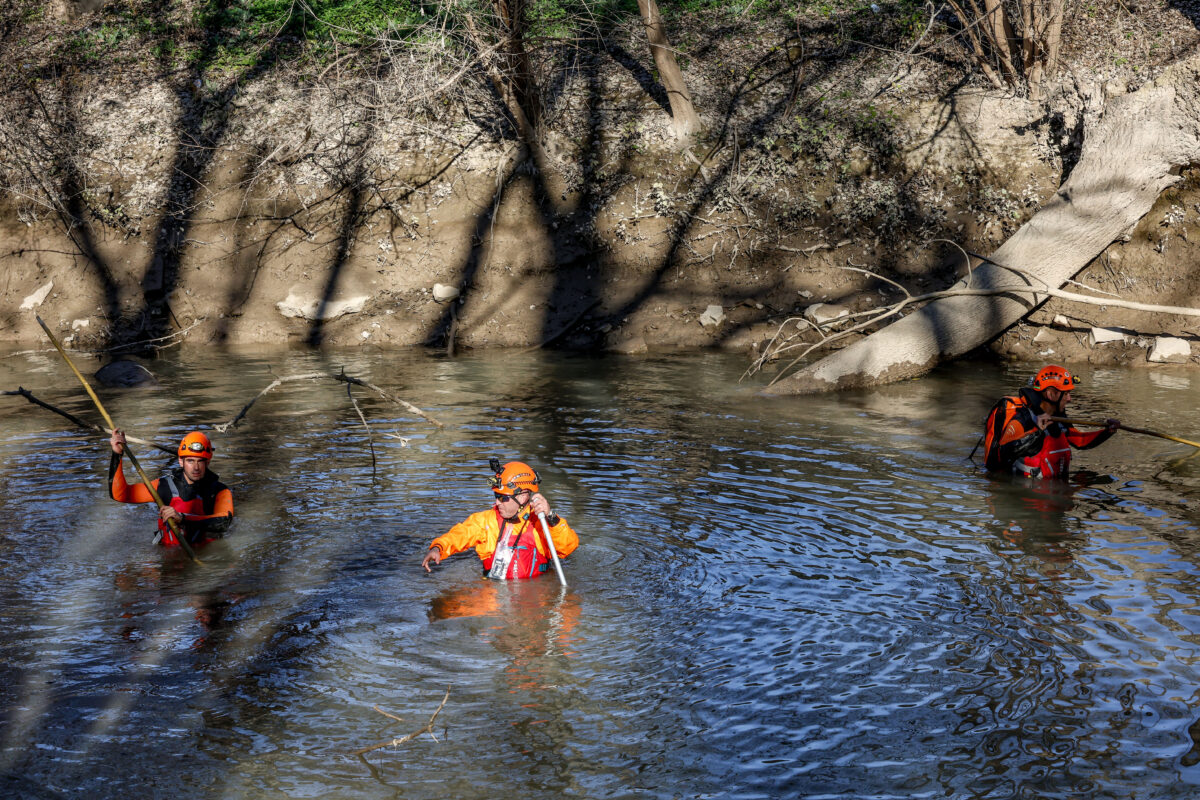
[{"x": 804, "y": 597}]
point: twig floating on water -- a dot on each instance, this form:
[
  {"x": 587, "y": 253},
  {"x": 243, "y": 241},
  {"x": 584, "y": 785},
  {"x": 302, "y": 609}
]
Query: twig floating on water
[{"x": 428, "y": 728}]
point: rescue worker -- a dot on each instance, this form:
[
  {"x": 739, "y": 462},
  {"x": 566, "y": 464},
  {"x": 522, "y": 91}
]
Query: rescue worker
[
  {"x": 192, "y": 494},
  {"x": 508, "y": 537},
  {"x": 1020, "y": 437}
]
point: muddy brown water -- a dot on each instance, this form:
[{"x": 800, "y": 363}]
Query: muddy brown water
[{"x": 809, "y": 597}]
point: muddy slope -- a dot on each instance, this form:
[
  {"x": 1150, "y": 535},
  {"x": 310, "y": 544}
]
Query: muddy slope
[{"x": 218, "y": 204}]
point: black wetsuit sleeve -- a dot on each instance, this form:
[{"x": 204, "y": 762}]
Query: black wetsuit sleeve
[
  {"x": 211, "y": 528},
  {"x": 114, "y": 464}
]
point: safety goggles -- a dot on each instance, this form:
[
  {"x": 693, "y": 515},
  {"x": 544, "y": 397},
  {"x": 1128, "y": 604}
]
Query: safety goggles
[
  {"x": 196, "y": 447},
  {"x": 503, "y": 498}
]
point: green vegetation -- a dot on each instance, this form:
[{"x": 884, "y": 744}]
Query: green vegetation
[{"x": 347, "y": 21}]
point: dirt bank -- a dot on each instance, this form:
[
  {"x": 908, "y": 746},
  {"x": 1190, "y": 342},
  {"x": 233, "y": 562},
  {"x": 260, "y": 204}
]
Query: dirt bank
[{"x": 210, "y": 203}]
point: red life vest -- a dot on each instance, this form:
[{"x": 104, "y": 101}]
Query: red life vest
[
  {"x": 166, "y": 537},
  {"x": 527, "y": 561},
  {"x": 1052, "y": 461}
]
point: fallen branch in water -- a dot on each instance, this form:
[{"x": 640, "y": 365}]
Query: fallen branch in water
[
  {"x": 28, "y": 395},
  {"x": 370, "y": 438},
  {"x": 780, "y": 343},
  {"x": 428, "y": 728},
  {"x": 403, "y": 403},
  {"x": 177, "y": 337},
  {"x": 224, "y": 426}
]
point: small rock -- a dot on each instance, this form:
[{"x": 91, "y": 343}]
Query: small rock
[
  {"x": 125, "y": 373},
  {"x": 296, "y": 305},
  {"x": 713, "y": 315},
  {"x": 806, "y": 294},
  {"x": 1044, "y": 335},
  {"x": 80, "y": 323},
  {"x": 1169, "y": 350},
  {"x": 1105, "y": 336},
  {"x": 34, "y": 300},
  {"x": 443, "y": 293},
  {"x": 1061, "y": 321},
  {"x": 821, "y": 313}
]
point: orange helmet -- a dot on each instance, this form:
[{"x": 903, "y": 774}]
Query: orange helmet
[
  {"x": 515, "y": 476},
  {"x": 195, "y": 445},
  {"x": 1054, "y": 376}
]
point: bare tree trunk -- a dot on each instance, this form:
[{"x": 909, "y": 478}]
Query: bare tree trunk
[
  {"x": 977, "y": 49},
  {"x": 1003, "y": 37},
  {"x": 685, "y": 121},
  {"x": 521, "y": 90},
  {"x": 1128, "y": 159},
  {"x": 1051, "y": 45}
]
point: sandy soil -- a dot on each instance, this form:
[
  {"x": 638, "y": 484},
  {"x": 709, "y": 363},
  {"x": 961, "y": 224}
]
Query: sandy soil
[{"x": 218, "y": 209}]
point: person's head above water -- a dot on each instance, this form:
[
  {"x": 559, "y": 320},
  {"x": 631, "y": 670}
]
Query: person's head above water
[
  {"x": 513, "y": 485},
  {"x": 195, "y": 451},
  {"x": 1054, "y": 384}
]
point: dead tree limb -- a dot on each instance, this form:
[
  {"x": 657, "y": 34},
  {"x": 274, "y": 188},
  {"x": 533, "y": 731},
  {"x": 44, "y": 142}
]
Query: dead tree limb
[
  {"x": 427, "y": 728},
  {"x": 370, "y": 438},
  {"x": 1132, "y": 153},
  {"x": 348, "y": 379},
  {"x": 403, "y": 403},
  {"x": 224, "y": 426},
  {"x": 28, "y": 395},
  {"x": 1030, "y": 294}
]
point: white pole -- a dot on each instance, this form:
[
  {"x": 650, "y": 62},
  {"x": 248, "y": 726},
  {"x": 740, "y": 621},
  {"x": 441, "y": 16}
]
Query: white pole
[{"x": 553, "y": 552}]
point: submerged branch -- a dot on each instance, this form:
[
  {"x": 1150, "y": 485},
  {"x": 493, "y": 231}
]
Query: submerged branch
[
  {"x": 224, "y": 426},
  {"x": 403, "y": 403},
  {"x": 427, "y": 728},
  {"x": 28, "y": 395},
  {"x": 370, "y": 438}
]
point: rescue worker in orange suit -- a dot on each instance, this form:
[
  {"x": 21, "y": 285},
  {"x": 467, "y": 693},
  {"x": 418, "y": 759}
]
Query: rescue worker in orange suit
[
  {"x": 1020, "y": 437},
  {"x": 192, "y": 494},
  {"x": 508, "y": 537}
]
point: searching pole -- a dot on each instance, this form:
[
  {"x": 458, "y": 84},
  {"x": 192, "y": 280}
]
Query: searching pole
[{"x": 553, "y": 552}]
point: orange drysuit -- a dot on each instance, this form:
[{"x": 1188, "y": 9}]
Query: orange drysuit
[{"x": 483, "y": 529}]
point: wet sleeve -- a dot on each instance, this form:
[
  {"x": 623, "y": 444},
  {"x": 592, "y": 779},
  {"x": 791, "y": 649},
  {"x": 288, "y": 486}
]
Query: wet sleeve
[
  {"x": 1085, "y": 441},
  {"x": 463, "y": 536},
  {"x": 121, "y": 491},
  {"x": 565, "y": 538},
  {"x": 215, "y": 523}
]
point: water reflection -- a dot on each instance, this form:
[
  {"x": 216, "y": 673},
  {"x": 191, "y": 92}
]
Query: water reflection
[{"x": 805, "y": 597}]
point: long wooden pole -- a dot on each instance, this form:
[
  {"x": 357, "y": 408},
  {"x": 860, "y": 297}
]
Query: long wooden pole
[
  {"x": 1103, "y": 424},
  {"x": 132, "y": 458}
]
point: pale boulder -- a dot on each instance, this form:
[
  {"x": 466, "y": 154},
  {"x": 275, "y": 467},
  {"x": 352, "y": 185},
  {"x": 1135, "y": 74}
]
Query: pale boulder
[
  {"x": 1105, "y": 336},
  {"x": 37, "y": 298},
  {"x": 712, "y": 316},
  {"x": 297, "y": 305},
  {"x": 821, "y": 313},
  {"x": 1169, "y": 350},
  {"x": 443, "y": 293}
]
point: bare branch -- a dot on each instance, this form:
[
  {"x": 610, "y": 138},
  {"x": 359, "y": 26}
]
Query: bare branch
[{"x": 427, "y": 728}]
